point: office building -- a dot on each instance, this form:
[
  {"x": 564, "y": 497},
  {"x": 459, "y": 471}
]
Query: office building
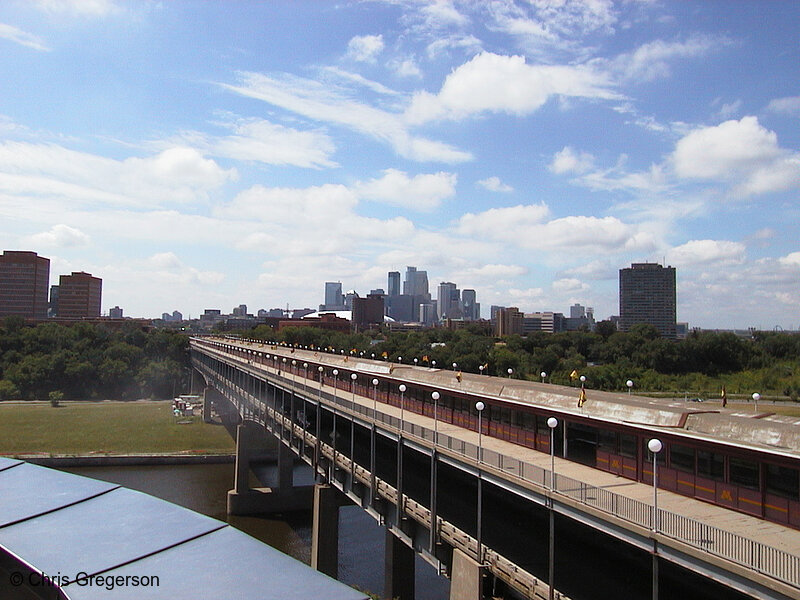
[
  {"x": 115, "y": 313},
  {"x": 24, "y": 283},
  {"x": 508, "y": 321},
  {"x": 448, "y": 301},
  {"x": 79, "y": 296},
  {"x": 394, "y": 283},
  {"x": 334, "y": 299},
  {"x": 416, "y": 283},
  {"x": 470, "y": 307},
  {"x": 647, "y": 294},
  {"x": 367, "y": 312}
]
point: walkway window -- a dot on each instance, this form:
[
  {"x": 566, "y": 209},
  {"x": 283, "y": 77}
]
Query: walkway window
[
  {"x": 582, "y": 443},
  {"x": 710, "y": 465},
  {"x": 744, "y": 473},
  {"x": 783, "y": 481},
  {"x": 681, "y": 458},
  {"x": 607, "y": 441},
  {"x": 627, "y": 445}
]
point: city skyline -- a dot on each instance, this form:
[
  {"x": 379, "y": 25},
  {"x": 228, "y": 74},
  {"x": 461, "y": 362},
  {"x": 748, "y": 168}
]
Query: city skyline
[{"x": 196, "y": 154}]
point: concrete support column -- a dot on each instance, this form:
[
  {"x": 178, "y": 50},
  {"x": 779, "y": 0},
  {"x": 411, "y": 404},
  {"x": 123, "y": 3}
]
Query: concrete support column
[
  {"x": 242, "y": 474},
  {"x": 325, "y": 530},
  {"x": 399, "y": 569},
  {"x": 210, "y": 395},
  {"x": 285, "y": 467},
  {"x": 466, "y": 581}
]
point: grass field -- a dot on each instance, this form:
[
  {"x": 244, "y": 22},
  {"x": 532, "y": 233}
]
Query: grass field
[{"x": 81, "y": 428}]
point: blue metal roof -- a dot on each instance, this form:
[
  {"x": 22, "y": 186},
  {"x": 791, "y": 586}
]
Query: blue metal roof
[{"x": 111, "y": 537}]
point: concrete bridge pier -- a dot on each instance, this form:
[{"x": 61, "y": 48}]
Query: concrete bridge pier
[
  {"x": 325, "y": 529},
  {"x": 244, "y": 500},
  {"x": 399, "y": 569},
  {"x": 466, "y": 578}
]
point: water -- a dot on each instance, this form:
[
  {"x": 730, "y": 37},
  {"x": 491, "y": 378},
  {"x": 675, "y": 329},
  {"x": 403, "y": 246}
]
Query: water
[{"x": 204, "y": 488}]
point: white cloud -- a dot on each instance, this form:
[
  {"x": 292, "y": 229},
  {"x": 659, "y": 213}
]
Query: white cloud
[
  {"x": 468, "y": 44},
  {"x": 569, "y": 286},
  {"x": 421, "y": 192},
  {"x": 697, "y": 252},
  {"x": 262, "y": 141},
  {"x": 49, "y": 171},
  {"x": 88, "y": 8},
  {"x": 652, "y": 60},
  {"x": 22, "y": 38},
  {"x": 742, "y": 152},
  {"x": 567, "y": 160},
  {"x": 496, "y": 83},
  {"x": 493, "y": 184},
  {"x": 313, "y": 100},
  {"x": 790, "y": 260},
  {"x": 789, "y": 105},
  {"x": 60, "y": 236},
  {"x": 365, "y": 48},
  {"x": 407, "y": 68}
]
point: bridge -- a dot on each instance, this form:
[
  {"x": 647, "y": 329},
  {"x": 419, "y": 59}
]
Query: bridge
[{"x": 498, "y": 518}]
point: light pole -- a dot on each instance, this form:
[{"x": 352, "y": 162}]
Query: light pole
[
  {"x": 629, "y": 383},
  {"x": 756, "y": 398},
  {"x": 333, "y": 433},
  {"x": 655, "y": 446},
  {"x": 552, "y": 423},
  {"x": 510, "y": 372},
  {"x": 374, "y": 398},
  {"x": 455, "y": 366},
  {"x": 415, "y": 362},
  {"x": 479, "y": 406},
  {"x": 305, "y": 376},
  {"x": 402, "y": 392},
  {"x": 435, "y": 396},
  {"x": 480, "y": 368},
  {"x": 353, "y": 378},
  {"x": 543, "y": 375}
]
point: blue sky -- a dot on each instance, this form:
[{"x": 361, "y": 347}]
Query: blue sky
[{"x": 205, "y": 154}]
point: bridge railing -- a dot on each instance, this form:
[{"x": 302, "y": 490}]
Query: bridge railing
[{"x": 761, "y": 558}]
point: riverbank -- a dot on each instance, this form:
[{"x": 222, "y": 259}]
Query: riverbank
[{"x": 108, "y": 430}]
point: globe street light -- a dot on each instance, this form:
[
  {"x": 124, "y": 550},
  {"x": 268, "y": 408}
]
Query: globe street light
[
  {"x": 629, "y": 383},
  {"x": 552, "y": 423},
  {"x": 455, "y": 365},
  {"x": 510, "y": 372},
  {"x": 353, "y": 378},
  {"x": 435, "y": 396},
  {"x": 583, "y": 379},
  {"x": 480, "y": 368},
  {"x": 756, "y": 398},
  {"x": 402, "y": 392},
  {"x": 655, "y": 446},
  {"x": 374, "y": 398},
  {"x": 543, "y": 375},
  {"x": 479, "y": 406}
]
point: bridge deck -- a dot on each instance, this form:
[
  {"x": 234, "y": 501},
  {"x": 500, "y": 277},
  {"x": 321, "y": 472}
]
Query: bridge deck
[{"x": 758, "y": 530}]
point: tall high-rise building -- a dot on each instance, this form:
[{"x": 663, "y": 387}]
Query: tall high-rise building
[
  {"x": 334, "y": 299},
  {"x": 416, "y": 283},
  {"x": 394, "y": 283},
  {"x": 448, "y": 301},
  {"x": 471, "y": 308},
  {"x": 647, "y": 294},
  {"x": 24, "y": 284},
  {"x": 79, "y": 296}
]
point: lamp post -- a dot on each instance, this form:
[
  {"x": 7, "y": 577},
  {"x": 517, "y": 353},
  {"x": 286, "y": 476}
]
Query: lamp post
[
  {"x": 543, "y": 375},
  {"x": 333, "y": 433},
  {"x": 480, "y": 369},
  {"x": 552, "y": 423},
  {"x": 756, "y": 398},
  {"x": 479, "y": 406},
  {"x": 655, "y": 446},
  {"x": 399, "y": 359},
  {"x": 510, "y": 372},
  {"x": 305, "y": 376},
  {"x": 455, "y": 366},
  {"x": 402, "y": 392},
  {"x": 374, "y": 398},
  {"x": 353, "y": 378},
  {"x": 435, "y": 396},
  {"x": 629, "y": 383},
  {"x": 415, "y": 362}
]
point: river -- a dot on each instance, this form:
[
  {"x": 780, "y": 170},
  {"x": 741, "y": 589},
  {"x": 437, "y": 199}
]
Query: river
[{"x": 203, "y": 488}]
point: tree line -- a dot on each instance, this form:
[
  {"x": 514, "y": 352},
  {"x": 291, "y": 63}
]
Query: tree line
[
  {"x": 86, "y": 361},
  {"x": 703, "y": 362}
]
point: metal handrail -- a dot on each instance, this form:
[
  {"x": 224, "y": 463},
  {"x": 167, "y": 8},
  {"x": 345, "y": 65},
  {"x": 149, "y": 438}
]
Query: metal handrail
[{"x": 743, "y": 551}]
